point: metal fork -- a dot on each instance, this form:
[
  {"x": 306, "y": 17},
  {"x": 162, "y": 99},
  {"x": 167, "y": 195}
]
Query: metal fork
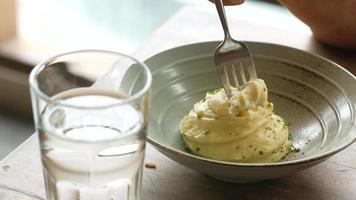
[{"x": 232, "y": 58}]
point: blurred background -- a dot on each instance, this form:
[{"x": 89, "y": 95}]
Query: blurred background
[{"x": 30, "y": 31}]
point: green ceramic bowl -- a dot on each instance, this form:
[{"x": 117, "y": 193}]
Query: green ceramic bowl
[{"x": 314, "y": 94}]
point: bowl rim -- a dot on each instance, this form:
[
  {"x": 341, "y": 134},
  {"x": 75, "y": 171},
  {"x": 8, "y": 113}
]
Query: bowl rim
[{"x": 320, "y": 157}]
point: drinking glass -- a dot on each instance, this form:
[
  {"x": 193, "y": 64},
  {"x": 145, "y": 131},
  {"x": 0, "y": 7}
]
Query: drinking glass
[{"x": 92, "y": 135}]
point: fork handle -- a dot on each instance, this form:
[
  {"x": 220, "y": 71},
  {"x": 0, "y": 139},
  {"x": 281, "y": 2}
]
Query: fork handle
[{"x": 221, "y": 11}]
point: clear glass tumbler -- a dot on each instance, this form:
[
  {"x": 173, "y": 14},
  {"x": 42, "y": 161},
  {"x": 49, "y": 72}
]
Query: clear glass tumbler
[{"x": 90, "y": 111}]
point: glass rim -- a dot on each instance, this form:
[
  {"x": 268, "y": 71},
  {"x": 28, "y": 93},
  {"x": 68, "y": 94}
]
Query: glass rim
[{"x": 39, "y": 67}]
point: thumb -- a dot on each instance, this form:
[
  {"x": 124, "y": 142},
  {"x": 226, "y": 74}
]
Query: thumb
[
  {"x": 233, "y": 2},
  {"x": 230, "y": 2}
]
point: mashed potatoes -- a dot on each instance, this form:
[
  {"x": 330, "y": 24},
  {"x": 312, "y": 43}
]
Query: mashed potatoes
[{"x": 240, "y": 129}]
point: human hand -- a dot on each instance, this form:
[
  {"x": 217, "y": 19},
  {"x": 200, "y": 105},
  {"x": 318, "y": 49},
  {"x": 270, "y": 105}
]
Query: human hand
[
  {"x": 231, "y": 2},
  {"x": 332, "y": 22}
]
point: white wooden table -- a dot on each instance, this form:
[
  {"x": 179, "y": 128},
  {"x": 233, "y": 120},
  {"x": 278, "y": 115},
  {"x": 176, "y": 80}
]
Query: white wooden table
[{"x": 332, "y": 179}]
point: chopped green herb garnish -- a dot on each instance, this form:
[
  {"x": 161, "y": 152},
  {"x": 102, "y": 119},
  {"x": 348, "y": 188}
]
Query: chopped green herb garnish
[
  {"x": 286, "y": 125},
  {"x": 188, "y": 149},
  {"x": 290, "y": 137},
  {"x": 214, "y": 91},
  {"x": 294, "y": 149},
  {"x": 197, "y": 149},
  {"x": 284, "y": 157},
  {"x": 260, "y": 152}
]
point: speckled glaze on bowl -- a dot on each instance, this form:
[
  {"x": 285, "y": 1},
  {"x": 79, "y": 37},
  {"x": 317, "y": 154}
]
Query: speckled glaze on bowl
[{"x": 315, "y": 95}]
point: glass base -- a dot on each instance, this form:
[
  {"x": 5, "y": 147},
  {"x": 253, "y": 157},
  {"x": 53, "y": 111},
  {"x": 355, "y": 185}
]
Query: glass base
[{"x": 8, "y": 193}]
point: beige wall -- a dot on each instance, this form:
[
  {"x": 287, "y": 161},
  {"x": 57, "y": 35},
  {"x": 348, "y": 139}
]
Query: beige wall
[{"x": 7, "y": 19}]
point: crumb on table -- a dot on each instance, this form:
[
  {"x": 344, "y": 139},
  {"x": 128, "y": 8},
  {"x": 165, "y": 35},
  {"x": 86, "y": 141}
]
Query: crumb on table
[{"x": 150, "y": 165}]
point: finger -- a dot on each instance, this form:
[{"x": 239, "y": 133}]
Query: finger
[{"x": 233, "y": 2}]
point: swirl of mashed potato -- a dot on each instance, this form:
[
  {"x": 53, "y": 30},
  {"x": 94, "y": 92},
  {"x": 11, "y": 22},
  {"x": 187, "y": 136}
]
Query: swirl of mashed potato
[{"x": 240, "y": 129}]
